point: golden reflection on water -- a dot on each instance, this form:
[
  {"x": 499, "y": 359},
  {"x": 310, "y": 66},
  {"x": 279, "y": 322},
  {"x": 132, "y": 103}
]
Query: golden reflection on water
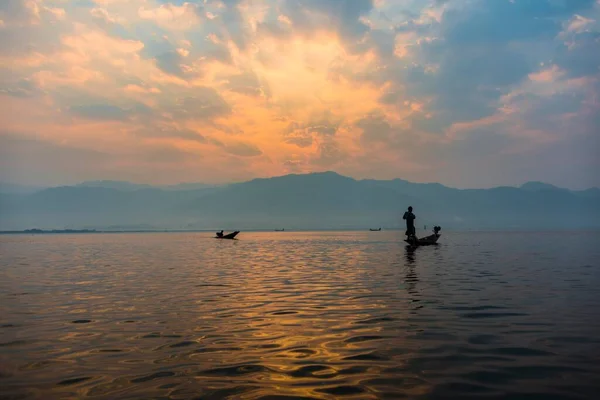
[{"x": 315, "y": 315}]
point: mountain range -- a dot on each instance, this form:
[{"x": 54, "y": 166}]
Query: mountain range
[{"x": 308, "y": 201}]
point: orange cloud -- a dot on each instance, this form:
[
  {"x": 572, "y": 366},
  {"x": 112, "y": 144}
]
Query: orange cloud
[
  {"x": 140, "y": 89},
  {"x": 578, "y": 23},
  {"x": 267, "y": 89},
  {"x": 547, "y": 75},
  {"x": 100, "y": 44},
  {"x": 276, "y": 82},
  {"x": 173, "y": 17}
]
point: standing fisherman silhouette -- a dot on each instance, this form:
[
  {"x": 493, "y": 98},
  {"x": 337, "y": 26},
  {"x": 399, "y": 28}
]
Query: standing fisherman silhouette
[{"x": 410, "y": 224}]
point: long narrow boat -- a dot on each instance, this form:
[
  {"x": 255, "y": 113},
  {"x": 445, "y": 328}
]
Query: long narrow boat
[
  {"x": 427, "y": 240},
  {"x": 231, "y": 235},
  {"x": 374, "y": 230}
]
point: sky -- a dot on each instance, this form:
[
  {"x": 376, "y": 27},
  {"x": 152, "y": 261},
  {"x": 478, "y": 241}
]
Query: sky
[{"x": 468, "y": 93}]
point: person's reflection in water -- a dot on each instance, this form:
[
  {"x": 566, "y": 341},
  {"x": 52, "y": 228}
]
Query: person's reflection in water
[
  {"x": 410, "y": 255},
  {"x": 411, "y": 279}
]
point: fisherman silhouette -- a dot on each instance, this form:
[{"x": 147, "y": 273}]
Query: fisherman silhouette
[{"x": 410, "y": 224}]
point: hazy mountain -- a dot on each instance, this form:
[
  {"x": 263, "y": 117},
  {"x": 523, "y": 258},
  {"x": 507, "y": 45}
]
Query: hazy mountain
[
  {"x": 79, "y": 206},
  {"x": 310, "y": 201},
  {"x": 118, "y": 185},
  {"x": 591, "y": 192},
  {"x": 539, "y": 186},
  {"x": 188, "y": 186},
  {"x": 128, "y": 186},
  {"x": 12, "y": 188},
  {"x": 300, "y": 201}
]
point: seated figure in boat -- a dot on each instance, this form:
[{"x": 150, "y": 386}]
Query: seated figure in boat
[
  {"x": 432, "y": 238},
  {"x": 220, "y": 234}
]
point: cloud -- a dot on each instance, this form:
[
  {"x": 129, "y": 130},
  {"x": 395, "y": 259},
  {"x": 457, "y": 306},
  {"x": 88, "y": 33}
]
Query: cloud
[
  {"x": 343, "y": 15},
  {"x": 132, "y": 88},
  {"x": 200, "y": 103},
  {"x": 476, "y": 55},
  {"x": 440, "y": 90},
  {"x": 22, "y": 88},
  {"x": 38, "y": 161},
  {"x": 300, "y": 139},
  {"x": 246, "y": 83},
  {"x": 293, "y": 165},
  {"x": 581, "y": 56},
  {"x": 579, "y": 23},
  {"x": 170, "y": 62},
  {"x": 374, "y": 129},
  {"x": 547, "y": 75},
  {"x": 168, "y": 57},
  {"x": 329, "y": 153},
  {"x": 235, "y": 25},
  {"x": 166, "y": 155},
  {"x": 171, "y": 133},
  {"x": 243, "y": 149},
  {"x": 102, "y": 14},
  {"x": 100, "y": 112},
  {"x": 172, "y": 17},
  {"x": 305, "y": 134},
  {"x": 101, "y": 44},
  {"x": 19, "y": 12},
  {"x": 81, "y": 104}
]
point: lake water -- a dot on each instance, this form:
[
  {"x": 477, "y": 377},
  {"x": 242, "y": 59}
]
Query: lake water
[{"x": 307, "y": 315}]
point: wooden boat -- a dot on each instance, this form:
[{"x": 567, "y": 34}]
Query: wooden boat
[
  {"x": 231, "y": 235},
  {"x": 374, "y": 230},
  {"x": 427, "y": 240},
  {"x": 279, "y": 230}
]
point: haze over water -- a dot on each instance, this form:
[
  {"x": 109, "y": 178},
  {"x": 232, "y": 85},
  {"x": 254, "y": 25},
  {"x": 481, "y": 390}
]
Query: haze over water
[{"x": 319, "y": 315}]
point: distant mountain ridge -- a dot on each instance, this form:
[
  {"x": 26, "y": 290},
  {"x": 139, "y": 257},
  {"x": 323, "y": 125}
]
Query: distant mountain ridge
[
  {"x": 537, "y": 186},
  {"x": 299, "y": 201},
  {"x": 13, "y": 188},
  {"x": 128, "y": 186}
]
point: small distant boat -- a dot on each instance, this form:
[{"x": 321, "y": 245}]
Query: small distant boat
[
  {"x": 374, "y": 230},
  {"x": 427, "y": 240},
  {"x": 231, "y": 235},
  {"x": 280, "y": 230}
]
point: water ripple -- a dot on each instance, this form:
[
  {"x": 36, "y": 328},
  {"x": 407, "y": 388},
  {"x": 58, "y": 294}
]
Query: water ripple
[{"x": 316, "y": 315}]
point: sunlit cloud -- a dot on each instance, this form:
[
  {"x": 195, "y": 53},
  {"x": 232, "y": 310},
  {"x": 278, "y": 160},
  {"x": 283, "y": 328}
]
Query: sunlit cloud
[
  {"x": 172, "y": 17},
  {"x": 219, "y": 91},
  {"x": 579, "y": 23}
]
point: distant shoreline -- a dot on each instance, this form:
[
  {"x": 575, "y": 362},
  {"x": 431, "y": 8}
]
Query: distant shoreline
[
  {"x": 366, "y": 230},
  {"x": 43, "y": 231},
  {"x": 88, "y": 231}
]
